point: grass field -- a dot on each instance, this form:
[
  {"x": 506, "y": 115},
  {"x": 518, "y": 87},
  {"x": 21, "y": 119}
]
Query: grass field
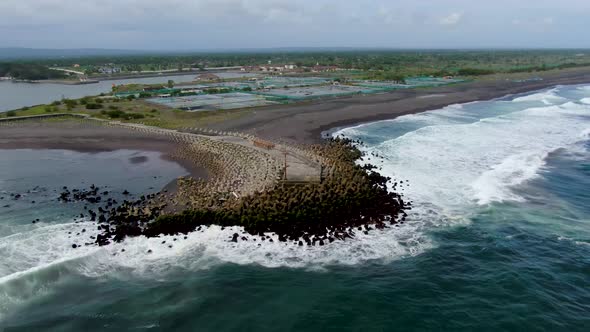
[{"x": 138, "y": 112}]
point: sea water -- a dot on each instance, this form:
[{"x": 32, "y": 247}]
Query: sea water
[{"x": 499, "y": 238}]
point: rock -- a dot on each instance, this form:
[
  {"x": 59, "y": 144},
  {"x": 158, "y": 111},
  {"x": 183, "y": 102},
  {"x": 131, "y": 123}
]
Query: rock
[{"x": 74, "y": 246}]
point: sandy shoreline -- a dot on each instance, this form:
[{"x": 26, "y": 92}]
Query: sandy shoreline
[
  {"x": 90, "y": 139},
  {"x": 304, "y": 122}
]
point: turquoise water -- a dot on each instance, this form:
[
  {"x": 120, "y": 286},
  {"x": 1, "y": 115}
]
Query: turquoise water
[{"x": 499, "y": 240}]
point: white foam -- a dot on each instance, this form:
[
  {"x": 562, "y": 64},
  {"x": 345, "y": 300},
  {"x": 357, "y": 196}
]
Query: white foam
[
  {"x": 547, "y": 97},
  {"x": 456, "y": 165},
  {"x": 451, "y": 167},
  {"x": 425, "y": 118},
  {"x": 496, "y": 184},
  {"x": 585, "y": 101},
  {"x": 37, "y": 259}
]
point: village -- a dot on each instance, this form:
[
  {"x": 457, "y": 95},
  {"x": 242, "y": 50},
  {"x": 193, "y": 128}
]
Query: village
[{"x": 263, "y": 85}]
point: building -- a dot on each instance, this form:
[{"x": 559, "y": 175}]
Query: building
[
  {"x": 191, "y": 90},
  {"x": 250, "y": 68},
  {"x": 109, "y": 70},
  {"x": 278, "y": 68},
  {"x": 323, "y": 69}
]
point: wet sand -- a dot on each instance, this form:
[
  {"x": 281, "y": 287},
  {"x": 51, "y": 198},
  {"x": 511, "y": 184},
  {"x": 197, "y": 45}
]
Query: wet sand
[
  {"x": 91, "y": 139},
  {"x": 304, "y": 122}
]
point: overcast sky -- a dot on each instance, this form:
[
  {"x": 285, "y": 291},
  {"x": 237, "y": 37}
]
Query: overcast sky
[{"x": 214, "y": 24}]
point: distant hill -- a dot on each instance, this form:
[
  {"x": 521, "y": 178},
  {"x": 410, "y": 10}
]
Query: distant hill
[{"x": 17, "y": 53}]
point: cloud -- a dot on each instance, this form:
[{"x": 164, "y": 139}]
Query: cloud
[
  {"x": 156, "y": 10},
  {"x": 535, "y": 22},
  {"x": 274, "y": 23},
  {"x": 452, "y": 19}
]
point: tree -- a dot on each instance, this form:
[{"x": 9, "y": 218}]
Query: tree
[
  {"x": 70, "y": 104},
  {"x": 170, "y": 84}
]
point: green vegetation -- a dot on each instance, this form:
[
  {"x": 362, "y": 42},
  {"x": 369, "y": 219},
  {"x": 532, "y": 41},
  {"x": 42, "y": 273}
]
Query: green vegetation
[
  {"x": 118, "y": 114},
  {"x": 135, "y": 111},
  {"x": 93, "y": 106},
  {"x": 474, "y": 72},
  {"x": 70, "y": 104},
  {"x": 365, "y": 64},
  {"x": 386, "y": 76},
  {"x": 391, "y": 63},
  {"x": 29, "y": 71}
]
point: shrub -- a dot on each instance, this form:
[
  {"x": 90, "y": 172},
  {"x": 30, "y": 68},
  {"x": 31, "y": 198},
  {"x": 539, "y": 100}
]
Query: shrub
[
  {"x": 11, "y": 113},
  {"x": 47, "y": 109},
  {"x": 93, "y": 106},
  {"x": 114, "y": 114},
  {"x": 154, "y": 110},
  {"x": 131, "y": 116},
  {"x": 474, "y": 72},
  {"x": 98, "y": 101},
  {"x": 56, "y": 103},
  {"x": 114, "y": 108},
  {"x": 70, "y": 103}
]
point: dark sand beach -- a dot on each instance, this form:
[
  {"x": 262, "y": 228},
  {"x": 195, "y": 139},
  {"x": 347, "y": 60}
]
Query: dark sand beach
[
  {"x": 90, "y": 139},
  {"x": 304, "y": 122}
]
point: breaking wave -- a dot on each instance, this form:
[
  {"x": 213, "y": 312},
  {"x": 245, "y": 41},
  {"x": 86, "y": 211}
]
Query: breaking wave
[
  {"x": 455, "y": 165},
  {"x": 450, "y": 160}
]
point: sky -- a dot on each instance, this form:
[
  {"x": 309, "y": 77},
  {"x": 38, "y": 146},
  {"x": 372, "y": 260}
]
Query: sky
[{"x": 239, "y": 24}]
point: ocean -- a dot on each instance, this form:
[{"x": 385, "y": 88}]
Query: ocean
[{"x": 498, "y": 239}]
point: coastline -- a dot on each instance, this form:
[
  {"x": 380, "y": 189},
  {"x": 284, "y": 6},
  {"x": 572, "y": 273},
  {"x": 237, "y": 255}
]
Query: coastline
[
  {"x": 304, "y": 123},
  {"x": 97, "y": 79},
  {"x": 92, "y": 140}
]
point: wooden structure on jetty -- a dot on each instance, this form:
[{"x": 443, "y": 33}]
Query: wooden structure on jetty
[{"x": 263, "y": 144}]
